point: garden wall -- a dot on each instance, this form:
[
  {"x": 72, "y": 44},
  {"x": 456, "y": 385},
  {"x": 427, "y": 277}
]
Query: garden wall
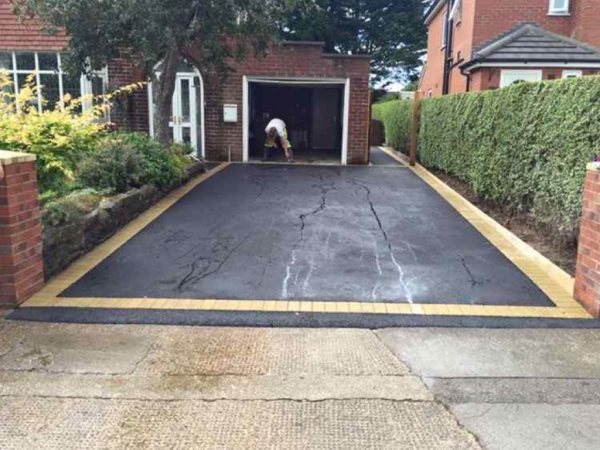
[{"x": 64, "y": 243}]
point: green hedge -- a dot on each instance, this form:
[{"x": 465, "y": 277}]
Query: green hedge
[
  {"x": 525, "y": 146},
  {"x": 396, "y": 116}
]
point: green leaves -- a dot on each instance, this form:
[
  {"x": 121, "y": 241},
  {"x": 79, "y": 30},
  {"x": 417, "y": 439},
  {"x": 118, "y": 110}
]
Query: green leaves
[
  {"x": 525, "y": 146},
  {"x": 392, "y": 31},
  {"x": 397, "y": 120}
]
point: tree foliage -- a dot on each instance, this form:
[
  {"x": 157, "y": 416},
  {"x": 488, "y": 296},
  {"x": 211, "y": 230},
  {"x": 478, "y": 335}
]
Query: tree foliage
[
  {"x": 205, "y": 33},
  {"x": 392, "y": 31}
]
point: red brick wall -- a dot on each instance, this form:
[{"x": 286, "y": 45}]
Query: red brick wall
[
  {"x": 130, "y": 113},
  {"x": 484, "y": 20},
  {"x": 462, "y": 44},
  {"x": 586, "y": 21},
  {"x": 587, "y": 278},
  {"x": 432, "y": 79},
  {"x": 495, "y": 18},
  {"x": 25, "y": 36},
  {"x": 489, "y": 78},
  {"x": 288, "y": 60},
  {"x": 21, "y": 266}
]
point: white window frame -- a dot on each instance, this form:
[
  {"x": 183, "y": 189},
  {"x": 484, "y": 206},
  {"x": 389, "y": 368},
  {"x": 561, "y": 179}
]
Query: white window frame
[
  {"x": 506, "y": 73},
  {"x": 85, "y": 87},
  {"x": 444, "y": 32},
  {"x": 553, "y": 10},
  {"x": 572, "y": 74}
]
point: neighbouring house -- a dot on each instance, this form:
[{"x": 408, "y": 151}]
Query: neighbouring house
[
  {"x": 324, "y": 98},
  {"x": 475, "y": 45}
]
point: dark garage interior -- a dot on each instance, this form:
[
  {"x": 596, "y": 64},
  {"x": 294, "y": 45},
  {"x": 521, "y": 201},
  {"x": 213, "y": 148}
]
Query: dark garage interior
[{"x": 313, "y": 115}]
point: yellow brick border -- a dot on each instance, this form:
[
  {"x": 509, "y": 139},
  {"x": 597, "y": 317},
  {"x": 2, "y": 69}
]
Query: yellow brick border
[{"x": 541, "y": 274}]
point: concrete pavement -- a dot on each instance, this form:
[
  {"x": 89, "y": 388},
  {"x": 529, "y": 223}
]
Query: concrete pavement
[
  {"x": 129, "y": 386},
  {"x": 514, "y": 389},
  {"x": 105, "y": 386}
]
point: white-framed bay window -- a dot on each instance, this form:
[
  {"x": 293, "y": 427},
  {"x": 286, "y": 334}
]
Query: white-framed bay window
[
  {"x": 558, "y": 7},
  {"x": 52, "y": 82},
  {"x": 509, "y": 77}
]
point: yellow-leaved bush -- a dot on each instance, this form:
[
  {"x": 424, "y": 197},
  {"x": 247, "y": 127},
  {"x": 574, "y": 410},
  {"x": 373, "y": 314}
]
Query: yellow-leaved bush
[{"x": 58, "y": 136}]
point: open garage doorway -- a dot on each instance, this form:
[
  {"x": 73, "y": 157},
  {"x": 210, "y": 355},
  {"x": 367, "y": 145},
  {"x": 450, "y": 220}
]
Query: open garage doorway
[{"x": 313, "y": 111}]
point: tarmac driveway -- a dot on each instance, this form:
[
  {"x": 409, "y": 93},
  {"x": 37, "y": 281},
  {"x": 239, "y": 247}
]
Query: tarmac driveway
[{"x": 312, "y": 233}]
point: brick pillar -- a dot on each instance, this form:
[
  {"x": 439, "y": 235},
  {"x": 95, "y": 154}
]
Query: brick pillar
[
  {"x": 587, "y": 278},
  {"x": 21, "y": 265}
]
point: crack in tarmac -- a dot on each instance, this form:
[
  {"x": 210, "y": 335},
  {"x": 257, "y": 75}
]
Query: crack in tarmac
[
  {"x": 474, "y": 280},
  {"x": 399, "y": 268},
  {"x": 190, "y": 277},
  {"x": 325, "y": 188},
  {"x": 259, "y": 182}
]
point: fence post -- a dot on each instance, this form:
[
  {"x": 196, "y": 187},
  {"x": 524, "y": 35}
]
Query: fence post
[
  {"x": 587, "y": 276},
  {"x": 21, "y": 264},
  {"x": 414, "y": 136}
]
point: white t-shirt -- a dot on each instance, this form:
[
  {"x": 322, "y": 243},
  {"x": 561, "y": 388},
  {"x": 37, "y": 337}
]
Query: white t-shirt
[{"x": 279, "y": 125}]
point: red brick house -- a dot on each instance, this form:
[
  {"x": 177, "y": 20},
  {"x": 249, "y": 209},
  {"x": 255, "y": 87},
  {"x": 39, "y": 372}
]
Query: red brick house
[
  {"x": 484, "y": 44},
  {"x": 324, "y": 98}
]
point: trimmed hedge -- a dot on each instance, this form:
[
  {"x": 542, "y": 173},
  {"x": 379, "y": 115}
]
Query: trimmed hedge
[
  {"x": 396, "y": 116},
  {"x": 525, "y": 146}
]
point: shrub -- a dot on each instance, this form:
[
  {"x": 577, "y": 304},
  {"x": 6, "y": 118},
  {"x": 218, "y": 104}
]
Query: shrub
[
  {"x": 57, "y": 137},
  {"x": 396, "y": 116},
  {"x": 126, "y": 160},
  {"x": 71, "y": 208},
  {"x": 525, "y": 146},
  {"x": 114, "y": 167}
]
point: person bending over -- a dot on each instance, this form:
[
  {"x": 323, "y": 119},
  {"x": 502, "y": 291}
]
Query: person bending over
[{"x": 277, "y": 139}]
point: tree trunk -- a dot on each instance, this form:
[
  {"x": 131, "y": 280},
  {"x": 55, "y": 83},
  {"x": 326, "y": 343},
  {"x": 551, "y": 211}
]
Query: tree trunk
[{"x": 165, "y": 86}]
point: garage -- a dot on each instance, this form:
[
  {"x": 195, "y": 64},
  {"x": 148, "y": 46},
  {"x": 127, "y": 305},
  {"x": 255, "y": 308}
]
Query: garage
[
  {"x": 323, "y": 98},
  {"x": 314, "y": 113}
]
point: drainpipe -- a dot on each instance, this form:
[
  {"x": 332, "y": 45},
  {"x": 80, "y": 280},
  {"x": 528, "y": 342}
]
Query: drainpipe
[
  {"x": 467, "y": 75},
  {"x": 447, "y": 50}
]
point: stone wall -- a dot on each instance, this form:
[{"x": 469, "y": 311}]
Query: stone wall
[{"x": 65, "y": 243}]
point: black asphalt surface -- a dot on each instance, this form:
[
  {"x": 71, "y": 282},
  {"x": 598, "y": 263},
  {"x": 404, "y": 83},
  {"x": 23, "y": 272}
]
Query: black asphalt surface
[
  {"x": 380, "y": 158},
  {"x": 274, "y": 319},
  {"x": 312, "y": 233}
]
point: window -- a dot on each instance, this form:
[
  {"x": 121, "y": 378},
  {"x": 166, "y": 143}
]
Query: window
[
  {"x": 510, "y": 77},
  {"x": 559, "y": 7},
  {"x": 48, "y": 77},
  {"x": 444, "y": 33},
  {"x": 572, "y": 74}
]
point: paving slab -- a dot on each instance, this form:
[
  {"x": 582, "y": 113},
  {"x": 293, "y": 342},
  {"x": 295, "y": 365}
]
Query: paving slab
[
  {"x": 259, "y": 351},
  {"x": 167, "y": 350},
  {"x": 54, "y": 350},
  {"x": 451, "y": 353},
  {"x": 217, "y": 387},
  {"x": 531, "y": 427},
  {"x": 118, "y": 424},
  {"x": 312, "y": 233},
  {"x": 515, "y": 390}
]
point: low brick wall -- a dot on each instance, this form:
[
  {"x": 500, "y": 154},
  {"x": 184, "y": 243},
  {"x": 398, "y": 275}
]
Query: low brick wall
[
  {"x": 21, "y": 267},
  {"x": 65, "y": 243},
  {"x": 587, "y": 277}
]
